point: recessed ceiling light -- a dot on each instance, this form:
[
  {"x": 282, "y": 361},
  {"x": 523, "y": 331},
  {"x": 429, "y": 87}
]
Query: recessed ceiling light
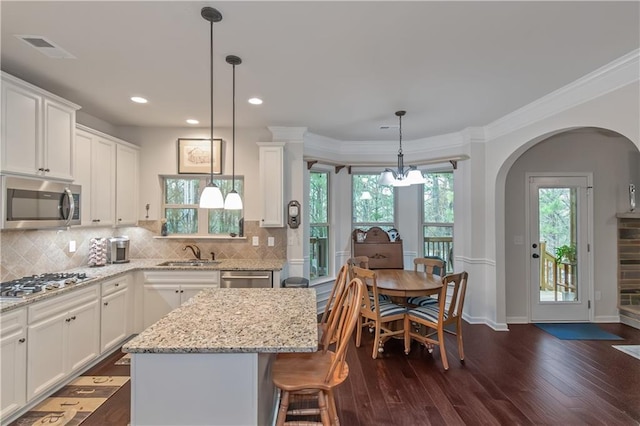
[
  {"x": 192, "y": 121},
  {"x": 255, "y": 101},
  {"x": 139, "y": 100}
]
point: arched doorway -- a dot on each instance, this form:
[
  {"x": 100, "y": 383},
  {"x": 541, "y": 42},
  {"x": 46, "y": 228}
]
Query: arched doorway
[{"x": 614, "y": 162}]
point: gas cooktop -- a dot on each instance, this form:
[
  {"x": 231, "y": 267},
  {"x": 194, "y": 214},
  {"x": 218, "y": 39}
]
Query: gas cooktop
[{"x": 35, "y": 284}]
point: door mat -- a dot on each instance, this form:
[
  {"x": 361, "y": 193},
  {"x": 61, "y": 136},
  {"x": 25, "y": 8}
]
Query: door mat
[
  {"x": 577, "y": 331},
  {"x": 125, "y": 360},
  {"x": 72, "y": 404},
  {"x": 633, "y": 350}
]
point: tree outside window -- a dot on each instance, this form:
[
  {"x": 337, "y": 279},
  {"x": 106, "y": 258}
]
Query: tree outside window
[
  {"x": 372, "y": 204},
  {"x": 319, "y": 223},
  {"x": 182, "y": 212},
  {"x": 438, "y": 216}
]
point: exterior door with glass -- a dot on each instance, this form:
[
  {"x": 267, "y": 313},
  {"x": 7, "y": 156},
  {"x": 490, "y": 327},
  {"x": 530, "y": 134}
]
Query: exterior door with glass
[{"x": 559, "y": 248}]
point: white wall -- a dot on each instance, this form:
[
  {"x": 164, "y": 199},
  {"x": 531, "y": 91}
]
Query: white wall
[
  {"x": 617, "y": 110},
  {"x": 158, "y": 156},
  {"x": 614, "y": 162}
]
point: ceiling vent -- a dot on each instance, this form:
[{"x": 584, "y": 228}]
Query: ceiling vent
[{"x": 46, "y": 47}]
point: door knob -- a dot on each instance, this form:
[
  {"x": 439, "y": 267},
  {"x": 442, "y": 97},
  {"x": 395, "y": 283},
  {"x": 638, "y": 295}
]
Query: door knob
[{"x": 535, "y": 255}]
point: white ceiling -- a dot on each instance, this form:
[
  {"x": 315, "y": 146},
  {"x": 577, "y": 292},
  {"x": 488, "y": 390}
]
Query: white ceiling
[{"x": 341, "y": 69}]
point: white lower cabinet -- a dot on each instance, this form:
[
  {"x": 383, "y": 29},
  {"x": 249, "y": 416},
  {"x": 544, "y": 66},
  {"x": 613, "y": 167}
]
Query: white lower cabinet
[
  {"x": 13, "y": 353},
  {"x": 166, "y": 291},
  {"x": 115, "y": 312},
  {"x": 64, "y": 335}
]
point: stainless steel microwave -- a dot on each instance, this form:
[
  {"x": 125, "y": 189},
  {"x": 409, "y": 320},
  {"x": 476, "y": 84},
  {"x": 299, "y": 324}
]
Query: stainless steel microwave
[{"x": 39, "y": 204}]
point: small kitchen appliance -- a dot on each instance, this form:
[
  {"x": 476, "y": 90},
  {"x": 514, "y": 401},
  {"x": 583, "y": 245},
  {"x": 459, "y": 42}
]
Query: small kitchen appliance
[{"x": 118, "y": 250}]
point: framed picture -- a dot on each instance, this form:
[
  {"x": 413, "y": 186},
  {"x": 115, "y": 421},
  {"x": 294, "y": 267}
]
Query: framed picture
[{"x": 195, "y": 156}]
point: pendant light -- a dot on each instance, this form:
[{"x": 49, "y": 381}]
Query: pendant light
[
  {"x": 233, "y": 200},
  {"x": 211, "y": 197},
  {"x": 401, "y": 176}
]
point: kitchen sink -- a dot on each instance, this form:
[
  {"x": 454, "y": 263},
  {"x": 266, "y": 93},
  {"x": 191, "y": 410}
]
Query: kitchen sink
[{"x": 189, "y": 263}]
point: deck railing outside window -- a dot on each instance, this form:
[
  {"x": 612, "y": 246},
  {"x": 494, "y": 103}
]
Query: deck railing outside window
[{"x": 439, "y": 246}]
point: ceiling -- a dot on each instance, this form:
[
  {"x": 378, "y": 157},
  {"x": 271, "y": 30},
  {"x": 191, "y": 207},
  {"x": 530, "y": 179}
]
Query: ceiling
[{"x": 341, "y": 69}]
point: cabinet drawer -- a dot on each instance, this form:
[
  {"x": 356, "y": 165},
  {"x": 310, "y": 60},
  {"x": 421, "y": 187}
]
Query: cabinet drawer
[
  {"x": 13, "y": 321},
  {"x": 62, "y": 303},
  {"x": 111, "y": 286},
  {"x": 182, "y": 277}
]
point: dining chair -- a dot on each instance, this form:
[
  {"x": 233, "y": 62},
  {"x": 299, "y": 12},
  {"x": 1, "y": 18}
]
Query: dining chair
[
  {"x": 329, "y": 311},
  {"x": 435, "y": 317},
  {"x": 431, "y": 266},
  {"x": 359, "y": 261},
  {"x": 381, "y": 316},
  {"x": 319, "y": 373}
]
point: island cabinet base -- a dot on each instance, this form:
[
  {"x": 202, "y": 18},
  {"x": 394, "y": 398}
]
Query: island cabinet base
[{"x": 202, "y": 389}]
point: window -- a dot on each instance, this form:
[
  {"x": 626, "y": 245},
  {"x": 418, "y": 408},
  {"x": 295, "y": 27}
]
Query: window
[
  {"x": 319, "y": 223},
  {"x": 180, "y": 206},
  {"x": 371, "y": 204},
  {"x": 438, "y": 216}
]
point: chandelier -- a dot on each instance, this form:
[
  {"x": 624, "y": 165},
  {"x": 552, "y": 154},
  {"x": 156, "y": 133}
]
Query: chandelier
[{"x": 402, "y": 176}]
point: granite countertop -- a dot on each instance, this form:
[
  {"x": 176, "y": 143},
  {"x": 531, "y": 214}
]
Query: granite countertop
[
  {"x": 235, "y": 320},
  {"x": 99, "y": 274}
]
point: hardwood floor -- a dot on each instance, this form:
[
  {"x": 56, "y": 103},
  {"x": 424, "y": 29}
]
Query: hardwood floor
[{"x": 521, "y": 377}]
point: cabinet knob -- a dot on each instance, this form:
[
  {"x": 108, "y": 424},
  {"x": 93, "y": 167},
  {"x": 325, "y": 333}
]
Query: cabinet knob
[
  {"x": 106, "y": 303},
  {"x": 73, "y": 317},
  {"x": 181, "y": 291},
  {"x": 22, "y": 340},
  {"x": 47, "y": 170},
  {"x": 177, "y": 291},
  {"x": 119, "y": 219},
  {"x": 116, "y": 285},
  {"x": 68, "y": 320},
  {"x": 95, "y": 220}
]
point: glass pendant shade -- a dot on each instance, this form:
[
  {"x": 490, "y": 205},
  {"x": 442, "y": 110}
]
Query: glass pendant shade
[
  {"x": 211, "y": 197},
  {"x": 415, "y": 177},
  {"x": 386, "y": 178},
  {"x": 401, "y": 181},
  {"x": 233, "y": 201}
]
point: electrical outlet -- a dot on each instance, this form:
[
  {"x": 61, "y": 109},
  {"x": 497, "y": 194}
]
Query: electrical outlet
[
  {"x": 256, "y": 241},
  {"x": 271, "y": 241},
  {"x": 72, "y": 246}
]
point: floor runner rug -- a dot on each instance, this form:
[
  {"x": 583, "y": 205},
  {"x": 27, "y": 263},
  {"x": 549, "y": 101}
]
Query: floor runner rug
[
  {"x": 72, "y": 404},
  {"x": 577, "y": 331},
  {"x": 125, "y": 360},
  {"x": 633, "y": 350}
]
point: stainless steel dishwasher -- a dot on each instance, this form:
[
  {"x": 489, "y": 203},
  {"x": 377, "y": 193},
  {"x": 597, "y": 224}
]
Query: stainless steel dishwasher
[{"x": 246, "y": 279}]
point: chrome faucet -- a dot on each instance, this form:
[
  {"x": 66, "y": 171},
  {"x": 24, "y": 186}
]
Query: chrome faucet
[{"x": 194, "y": 249}]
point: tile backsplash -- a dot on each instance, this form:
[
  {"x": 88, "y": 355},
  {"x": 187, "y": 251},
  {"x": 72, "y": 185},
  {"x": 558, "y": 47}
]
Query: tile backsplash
[{"x": 32, "y": 252}]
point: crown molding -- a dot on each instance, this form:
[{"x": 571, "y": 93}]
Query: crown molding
[
  {"x": 616, "y": 74},
  {"x": 287, "y": 133}
]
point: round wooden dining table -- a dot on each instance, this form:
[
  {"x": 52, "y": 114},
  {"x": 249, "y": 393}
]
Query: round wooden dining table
[{"x": 405, "y": 283}]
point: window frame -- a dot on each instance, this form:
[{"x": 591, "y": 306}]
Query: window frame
[
  {"x": 327, "y": 225},
  {"x": 424, "y": 224},
  {"x": 203, "y": 213},
  {"x": 367, "y": 225}
]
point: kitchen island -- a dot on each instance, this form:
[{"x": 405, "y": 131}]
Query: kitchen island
[{"x": 209, "y": 361}]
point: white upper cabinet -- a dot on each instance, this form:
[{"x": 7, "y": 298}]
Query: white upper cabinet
[
  {"x": 37, "y": 131},
  {"x": 107, "y": 169},
  {"x": 126, "y": 185},
  {"x": 272, "y": 184}
]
